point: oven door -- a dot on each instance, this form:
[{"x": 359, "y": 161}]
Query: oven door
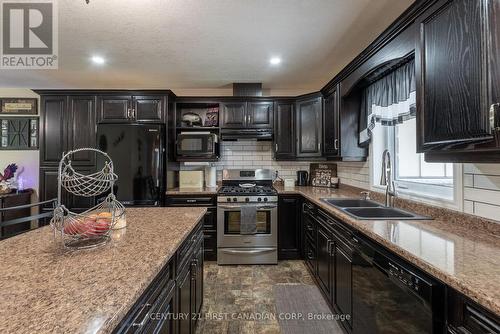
[
  {"x": 229, "y": 225},
  {"x": 196, "y": 145}
]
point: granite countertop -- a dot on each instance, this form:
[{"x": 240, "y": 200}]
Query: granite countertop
[
  {"x": 458, "y": 249},
  {"x": 44, "y": 289},
  {"x": 193, "y": 191}
]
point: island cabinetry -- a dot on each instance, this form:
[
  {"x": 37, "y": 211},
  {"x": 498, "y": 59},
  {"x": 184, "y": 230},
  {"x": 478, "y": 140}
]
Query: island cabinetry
[{"x": 175, "y": 296}]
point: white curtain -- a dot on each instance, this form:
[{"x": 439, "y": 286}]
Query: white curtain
[{"x": 388, "y": 101}]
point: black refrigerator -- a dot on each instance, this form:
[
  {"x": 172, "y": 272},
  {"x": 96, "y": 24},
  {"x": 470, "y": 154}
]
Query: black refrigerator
[{"x": 137, "y": 152}]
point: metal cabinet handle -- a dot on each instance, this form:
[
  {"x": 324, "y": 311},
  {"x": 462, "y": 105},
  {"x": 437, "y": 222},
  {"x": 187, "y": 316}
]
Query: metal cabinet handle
[
  {"x": 129, "y": 113},
  {"x": 134, "y": 113},
  {"x": 494, "y": 117},
  {"x": 191, "y": 201},
  {"x": 336, "y": 144},
  {"x": 145, "y": 318},
  {"x": 276, "y": 147},
  {"x": 319, "y": 147}
]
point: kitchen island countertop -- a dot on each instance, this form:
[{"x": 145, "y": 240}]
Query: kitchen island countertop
[{"x": 44, "y": 289}]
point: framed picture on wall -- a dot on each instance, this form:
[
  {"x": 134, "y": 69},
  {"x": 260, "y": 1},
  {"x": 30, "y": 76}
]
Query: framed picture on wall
[{"x": 18, "y": 106}]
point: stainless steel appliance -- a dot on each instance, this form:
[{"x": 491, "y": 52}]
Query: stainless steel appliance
[
  {"x": 199, "y": 144},
  {"x": 247, "y": 218},
  {"x": 137, "y": 151},
  {"x": 391, "y": 296}
]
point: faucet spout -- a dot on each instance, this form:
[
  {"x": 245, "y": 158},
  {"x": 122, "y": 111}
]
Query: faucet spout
[{"x": 387, "y": 180}]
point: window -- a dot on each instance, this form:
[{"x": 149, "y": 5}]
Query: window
[{"x": 412, "y": 174}]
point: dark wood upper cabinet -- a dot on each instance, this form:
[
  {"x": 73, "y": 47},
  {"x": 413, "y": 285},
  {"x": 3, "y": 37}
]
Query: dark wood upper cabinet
[
  {"x": 331, "y": 141},
  {"x": 250, "y": 115},
  {"x": 234, "y": 114},
  {"x": 52, "y": 132},
  {"x": 260, "y": 114},
  {"x": 148, "y": 108},
  {"x": 114, "y": 109},
  {"x": 309, "y": 127},
  {"x": 457, "y": 71},
  {"x": 81, "y": 128},
  {"x": 284, "y": 130}
]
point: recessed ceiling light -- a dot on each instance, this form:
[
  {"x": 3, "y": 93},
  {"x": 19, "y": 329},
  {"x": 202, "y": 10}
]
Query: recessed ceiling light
[
  {"x": 275, "y": 60},
  {"x": 98, "y": 60}
]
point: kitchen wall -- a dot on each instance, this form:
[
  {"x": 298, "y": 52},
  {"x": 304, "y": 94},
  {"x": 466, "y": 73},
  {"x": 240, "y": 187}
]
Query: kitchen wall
[
  {"x": 482, "y": 190},
  {"x": 27, "y": 161}
]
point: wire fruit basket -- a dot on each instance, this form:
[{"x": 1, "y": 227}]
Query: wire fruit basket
[{"x": 91, "y": 228}]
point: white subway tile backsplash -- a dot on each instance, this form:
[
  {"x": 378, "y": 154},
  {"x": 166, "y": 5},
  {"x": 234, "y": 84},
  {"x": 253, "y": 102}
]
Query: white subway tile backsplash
[
  {"x": 487, "y": 182},
  {"x": 482, "y": 195}
]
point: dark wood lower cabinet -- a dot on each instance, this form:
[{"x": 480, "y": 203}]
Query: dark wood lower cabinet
[
  {"x": 171, "y": 302},
  {"x": 210, "y": 223},
  {"x": 325, "y": 260},
  {"x": 289, "y": 232},
  {"x": 11, "y": 200}
]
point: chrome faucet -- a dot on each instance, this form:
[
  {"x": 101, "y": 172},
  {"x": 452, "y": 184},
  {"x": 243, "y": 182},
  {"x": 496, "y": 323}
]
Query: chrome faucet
[{"x": 386, "y": 179}]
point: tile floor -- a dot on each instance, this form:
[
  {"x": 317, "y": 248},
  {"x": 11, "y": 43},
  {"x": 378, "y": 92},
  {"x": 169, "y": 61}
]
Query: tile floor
[{"x": 237, "y": 295}]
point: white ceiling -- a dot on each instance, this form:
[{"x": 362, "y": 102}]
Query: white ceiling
[{"x": 208, "y": 44}]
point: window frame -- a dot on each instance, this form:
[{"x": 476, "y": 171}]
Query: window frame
[{"x": 408, "y": 189}]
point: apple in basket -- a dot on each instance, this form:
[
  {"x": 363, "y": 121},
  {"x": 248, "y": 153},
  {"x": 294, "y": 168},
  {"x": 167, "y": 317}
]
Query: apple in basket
[{"x": 91, "y": 225}]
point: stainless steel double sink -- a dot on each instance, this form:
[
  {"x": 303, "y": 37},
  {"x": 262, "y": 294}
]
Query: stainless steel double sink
[{"x": 369, "y": 210}]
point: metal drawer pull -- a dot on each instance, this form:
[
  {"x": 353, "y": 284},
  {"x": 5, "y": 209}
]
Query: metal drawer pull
[
  {"x": 336, "y": 144},
  {"x": 253, "y": 251},
  {"x": 145, "y": 318},
  {"x": 191, "y": 201}
]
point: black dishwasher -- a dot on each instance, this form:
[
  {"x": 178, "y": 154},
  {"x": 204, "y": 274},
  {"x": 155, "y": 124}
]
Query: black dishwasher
[{"x": 390, "y": 296}]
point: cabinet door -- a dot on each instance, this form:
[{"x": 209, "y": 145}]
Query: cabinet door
[
  {"x": 52, "y": 129},
  {"x": 148, "y": 109},
  {"x": 198, "y": 279},
  {"x": 114, "y": 109},
  {"x": 309, "y": 127},
  {"x": 324, "y": 242},
  {"x": 184, "y": 302},
  {"x": 234, "y": 115},
  {"x": 260, "y": 115},
  {"x": 48, "y": 188},
  {"x": 284, "y": 130},
  {"x": 289, "y": 228},
  {"x": 331, "y": 142},
  {"x": 454, "y": 97},
  {"x": 81, "y": 128},
  {"x": 343, "y": 282}
]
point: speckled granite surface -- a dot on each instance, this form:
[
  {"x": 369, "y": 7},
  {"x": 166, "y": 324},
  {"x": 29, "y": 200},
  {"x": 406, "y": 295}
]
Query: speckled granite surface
[
  {"x": 461, "y": 250},
  {"x": 193, "y": 191},
  {"x": 46, "y": 290}
]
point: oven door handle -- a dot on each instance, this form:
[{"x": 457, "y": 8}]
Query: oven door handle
[
  {"x": 266, "y": 207},
  {"x": 249, "y": 251}
]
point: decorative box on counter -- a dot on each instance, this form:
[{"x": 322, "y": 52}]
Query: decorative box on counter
[{"x": 324, "y": 175}]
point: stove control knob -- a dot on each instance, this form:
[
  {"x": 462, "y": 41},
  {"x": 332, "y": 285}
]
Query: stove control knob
[
  {"x": 235, "y": 199},
  {"x": 259, "y": 199},
  {"x": 265, "y": 199},
  {"x": 228, "y": 199},
  {"x": 247, "y": 199}
]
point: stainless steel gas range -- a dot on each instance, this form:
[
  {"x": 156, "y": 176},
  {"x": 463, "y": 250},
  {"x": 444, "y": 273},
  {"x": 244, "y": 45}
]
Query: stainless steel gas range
[{"x": 247, "y": 218}]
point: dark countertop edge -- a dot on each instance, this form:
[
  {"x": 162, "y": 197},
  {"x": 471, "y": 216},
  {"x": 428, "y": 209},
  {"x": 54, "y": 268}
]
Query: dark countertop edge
[
  {"x": 192, "y": 191},
  {"x": 427, "y": 267}
]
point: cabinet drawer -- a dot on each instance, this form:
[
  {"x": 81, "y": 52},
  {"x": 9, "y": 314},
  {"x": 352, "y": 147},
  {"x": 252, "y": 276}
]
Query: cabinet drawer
[
  {"x": 191, "y": 201},
  {"x": 210, "y": 223},
  {"x": 210, "y": 246}
]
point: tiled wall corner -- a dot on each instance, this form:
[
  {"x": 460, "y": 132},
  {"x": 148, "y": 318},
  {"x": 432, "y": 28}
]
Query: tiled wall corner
[{"x": 482, "y": 190}]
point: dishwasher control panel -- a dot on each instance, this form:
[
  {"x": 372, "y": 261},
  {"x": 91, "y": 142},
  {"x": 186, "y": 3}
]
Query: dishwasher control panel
[{"x": 404, "y": 276}]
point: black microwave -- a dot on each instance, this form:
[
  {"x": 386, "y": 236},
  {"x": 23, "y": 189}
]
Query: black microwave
[{"x": 197, "y": 145}]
